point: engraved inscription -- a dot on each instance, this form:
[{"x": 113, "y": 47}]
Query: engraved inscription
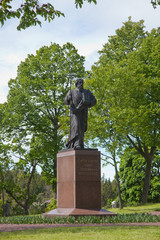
[{"x": 88, "y": 167}]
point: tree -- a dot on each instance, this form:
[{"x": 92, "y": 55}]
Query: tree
[
  {"x": 132, "y": 173},
  {"x": 4, "y": 164},
  {"x": 126, "y": 79},
  {"x": 143, "y": 108},
  {"x": 18, "y": 160},
  {"x": 103, "y": 126},
  {"x": 21, "y": 195},
  {"x": 29, "y": 11},
  {"x": 35, "y": 107}
]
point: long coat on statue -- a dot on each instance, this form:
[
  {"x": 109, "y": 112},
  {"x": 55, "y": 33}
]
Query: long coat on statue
[{"x": 79, "y": 102}]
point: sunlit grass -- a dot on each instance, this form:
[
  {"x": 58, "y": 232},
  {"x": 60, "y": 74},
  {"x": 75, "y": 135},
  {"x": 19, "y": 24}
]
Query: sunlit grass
[
  {"x": 80, "y": 233},
  {"x": 138, "y": 209}
]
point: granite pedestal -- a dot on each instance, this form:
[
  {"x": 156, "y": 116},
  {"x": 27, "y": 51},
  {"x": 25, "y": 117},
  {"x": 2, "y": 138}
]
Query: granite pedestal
[{"x": 78, "y": 184}]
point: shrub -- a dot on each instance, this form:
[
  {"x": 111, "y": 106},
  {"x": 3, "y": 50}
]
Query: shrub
[
  {"x": 52, "y": 205},
  {"x": 37, "y": 208}
]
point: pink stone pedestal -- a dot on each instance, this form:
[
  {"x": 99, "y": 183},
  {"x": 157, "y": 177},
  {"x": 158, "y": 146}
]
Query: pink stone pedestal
[{"x": 78, "y": 184}]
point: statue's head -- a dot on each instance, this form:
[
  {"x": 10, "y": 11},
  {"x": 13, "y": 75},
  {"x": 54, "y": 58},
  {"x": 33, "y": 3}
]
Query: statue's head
[{"x": 79, "y": 83}]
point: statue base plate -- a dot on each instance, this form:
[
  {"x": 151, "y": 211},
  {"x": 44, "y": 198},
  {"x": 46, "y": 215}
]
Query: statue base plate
[{"x": 77, "y": 212}]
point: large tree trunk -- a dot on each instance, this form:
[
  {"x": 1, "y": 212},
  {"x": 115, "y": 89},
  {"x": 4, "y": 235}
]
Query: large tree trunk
[
  {"x": 119, "y": 191},
  {"x": 148, "y": 154},
  {"x": 146, "y": 184},
  {"x": 26, "y": 205}
]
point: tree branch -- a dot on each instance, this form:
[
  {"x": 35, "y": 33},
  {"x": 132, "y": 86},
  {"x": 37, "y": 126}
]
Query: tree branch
[
  {"x": 139, "y": 147},
  {"x": 29, "y": 181},
  {"x": 17, "y": 201}
]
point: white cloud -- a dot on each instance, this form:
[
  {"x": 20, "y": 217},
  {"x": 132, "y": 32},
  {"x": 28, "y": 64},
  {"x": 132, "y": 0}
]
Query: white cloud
[
  {"x": 87, "y": 49},
  {"x": 13, "y": 59}
]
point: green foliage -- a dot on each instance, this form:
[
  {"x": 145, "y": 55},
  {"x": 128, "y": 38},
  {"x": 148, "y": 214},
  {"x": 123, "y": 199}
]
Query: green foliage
[
  {"x": 125, "y": 82},
  {"x": 15, "y": 188},
  {"x": 36, "y": 208},
  {"x": 1, "y": 207},
  {"x": 29, "y": 12},
  {"x": 132, "y": 173},
  {"x": 52, "y": 205},
  {"x": 155, "y": 3}
]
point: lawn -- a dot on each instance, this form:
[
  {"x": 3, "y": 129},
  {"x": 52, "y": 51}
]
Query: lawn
[
  {"x": 138, "y": 209},
  {"x": 92, "y": 233}
]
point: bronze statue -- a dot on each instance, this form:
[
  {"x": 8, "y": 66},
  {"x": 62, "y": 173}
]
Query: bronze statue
[{"x": 79, "y": 100}]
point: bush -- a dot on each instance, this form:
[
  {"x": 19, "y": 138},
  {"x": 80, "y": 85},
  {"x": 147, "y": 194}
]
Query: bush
[
  {"x": 52, "y": 205},
  {"x": 1, "y": 208},
  {"x": 16, "y": 210},
  {"x": 37, "y": 208}
]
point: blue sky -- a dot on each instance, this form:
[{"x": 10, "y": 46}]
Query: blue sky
[{"x": 87, "y": 28}]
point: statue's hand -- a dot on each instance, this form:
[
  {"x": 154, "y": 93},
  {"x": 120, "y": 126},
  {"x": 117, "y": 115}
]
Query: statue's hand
[
  {"x": 73, "y": 109},
  {"x": 86, "y": 103}
]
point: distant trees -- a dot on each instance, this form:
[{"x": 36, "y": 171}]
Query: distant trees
[
  {"x": 108, "y": 191},
  {"x": 29, "y": 11}
]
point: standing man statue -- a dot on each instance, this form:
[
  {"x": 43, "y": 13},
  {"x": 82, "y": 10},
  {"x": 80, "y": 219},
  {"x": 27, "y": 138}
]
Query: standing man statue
[{"x": 79, "y": 100}]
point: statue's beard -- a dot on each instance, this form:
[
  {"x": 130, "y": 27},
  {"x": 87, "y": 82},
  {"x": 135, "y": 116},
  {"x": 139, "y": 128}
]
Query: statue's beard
[{"x": 80, "y": 88}]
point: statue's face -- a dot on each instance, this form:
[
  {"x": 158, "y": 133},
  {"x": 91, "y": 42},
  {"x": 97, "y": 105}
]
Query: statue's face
[{"x": 80, "y": 85}]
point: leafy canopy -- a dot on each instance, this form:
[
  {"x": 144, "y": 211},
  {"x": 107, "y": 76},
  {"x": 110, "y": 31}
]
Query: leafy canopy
[{"x": 29, "y": 11}]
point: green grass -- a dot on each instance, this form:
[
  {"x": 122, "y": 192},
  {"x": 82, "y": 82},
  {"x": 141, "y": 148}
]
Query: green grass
[
  {"x": 138, "y": 209},
  {"x": 92, "y": 233}
]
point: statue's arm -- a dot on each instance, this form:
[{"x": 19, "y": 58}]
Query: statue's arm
[
  {"x": 68, "y": 98},
  {"x": 93, "y": 100},
  {"x": 89, "y": 99}
]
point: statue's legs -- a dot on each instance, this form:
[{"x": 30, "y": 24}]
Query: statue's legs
[{"x": 79, "y": 129}]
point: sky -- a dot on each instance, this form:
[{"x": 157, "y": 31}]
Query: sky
[{"x": 86, "y": 28}]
